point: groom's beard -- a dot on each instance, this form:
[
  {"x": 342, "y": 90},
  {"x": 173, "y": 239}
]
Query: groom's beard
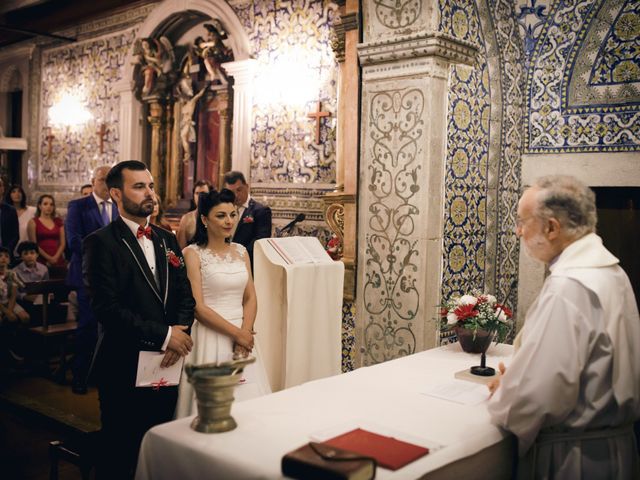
[{"x": 143, "y": 209}]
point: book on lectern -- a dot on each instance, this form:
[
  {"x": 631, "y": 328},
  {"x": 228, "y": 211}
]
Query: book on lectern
[{"x": 297, "y": 250}]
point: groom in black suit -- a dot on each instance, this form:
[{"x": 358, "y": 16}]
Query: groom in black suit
[{"x": 141, "y": 297}]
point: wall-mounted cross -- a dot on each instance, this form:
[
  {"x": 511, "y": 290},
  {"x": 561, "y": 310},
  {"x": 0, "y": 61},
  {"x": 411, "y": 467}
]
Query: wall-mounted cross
[
  {"x": 317, "y": 115},
  {"x": 102, "y": 134},
  {"x": 49, "y": 138}
]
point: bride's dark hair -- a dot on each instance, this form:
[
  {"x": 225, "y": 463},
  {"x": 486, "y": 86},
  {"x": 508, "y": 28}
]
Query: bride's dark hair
[{"x": 206, "y": 202}]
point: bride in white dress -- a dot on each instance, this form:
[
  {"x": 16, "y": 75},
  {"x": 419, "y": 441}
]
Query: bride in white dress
[{"x": 222, "y": 285}]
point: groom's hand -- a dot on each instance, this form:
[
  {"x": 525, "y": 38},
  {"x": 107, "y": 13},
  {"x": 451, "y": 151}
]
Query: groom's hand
[
  {"x": 170, "y": 357},
  {"x": 180, "y": 341}
]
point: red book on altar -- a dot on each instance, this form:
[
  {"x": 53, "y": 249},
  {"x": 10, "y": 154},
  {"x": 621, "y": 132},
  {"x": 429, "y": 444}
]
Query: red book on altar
[{"x": 389, "y": 452}]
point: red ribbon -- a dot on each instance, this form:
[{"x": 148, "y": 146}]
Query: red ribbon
[{"x": 160, "y": 383}]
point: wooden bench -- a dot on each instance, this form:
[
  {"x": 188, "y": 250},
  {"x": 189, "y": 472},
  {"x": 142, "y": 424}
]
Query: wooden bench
[{"x": 58, "y": 289}]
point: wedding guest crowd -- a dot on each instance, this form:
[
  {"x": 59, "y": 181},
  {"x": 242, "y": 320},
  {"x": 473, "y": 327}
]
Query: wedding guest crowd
[
  {"x": 18, "y": 200},
  {"x": 85, "y": 215},
  {"x": 46, "y": 230}
]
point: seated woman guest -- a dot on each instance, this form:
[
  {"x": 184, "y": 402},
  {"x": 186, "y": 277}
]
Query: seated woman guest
[
  {"x": 47, "y": 231},
  {"x": 18, "y": 200},
  {"x": 157, "y": 216},
  {"x": 187, "y": 227},
  {"x": 226, "y": 305}
]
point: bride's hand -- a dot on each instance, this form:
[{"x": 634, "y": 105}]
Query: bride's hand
[
  {"x": 244, "y": 339},
  {"x": 240, "y": 352}
]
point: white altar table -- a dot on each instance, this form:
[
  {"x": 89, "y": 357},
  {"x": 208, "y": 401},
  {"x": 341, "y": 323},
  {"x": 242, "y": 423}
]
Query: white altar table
[{"x": 389, "y": 395}]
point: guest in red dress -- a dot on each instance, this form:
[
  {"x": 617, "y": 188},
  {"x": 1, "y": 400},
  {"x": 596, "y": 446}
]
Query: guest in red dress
[{"x": 47, "y": 231}]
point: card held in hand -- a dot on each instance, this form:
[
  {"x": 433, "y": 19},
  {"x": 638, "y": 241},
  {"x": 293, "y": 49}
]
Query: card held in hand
[{"x": 316, "y": 461}]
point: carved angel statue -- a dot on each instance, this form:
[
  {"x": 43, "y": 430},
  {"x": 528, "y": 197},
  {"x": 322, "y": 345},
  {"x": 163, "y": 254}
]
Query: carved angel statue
[
  {"x": 214, "y": 52},
  {"x": 155, "y": 58}
]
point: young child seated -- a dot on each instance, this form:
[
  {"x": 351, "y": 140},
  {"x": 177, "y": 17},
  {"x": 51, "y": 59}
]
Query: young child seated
[
  {"x": 9, "y": 283},
  {"x": 29, "y": 270}
]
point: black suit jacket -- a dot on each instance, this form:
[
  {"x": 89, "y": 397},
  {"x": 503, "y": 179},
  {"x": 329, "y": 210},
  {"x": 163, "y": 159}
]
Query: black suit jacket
[
  {"x": 133, "y": 311},
  {"x": 254, "y": 224},
  {"x": 9, "y": 229}
]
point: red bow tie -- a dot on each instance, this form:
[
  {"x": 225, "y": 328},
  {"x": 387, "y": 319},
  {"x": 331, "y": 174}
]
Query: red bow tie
[{"x": 146, "y": 231}]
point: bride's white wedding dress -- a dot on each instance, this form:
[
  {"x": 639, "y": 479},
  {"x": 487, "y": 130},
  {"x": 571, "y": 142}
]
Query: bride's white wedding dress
[{"x": 223, "y": 283}]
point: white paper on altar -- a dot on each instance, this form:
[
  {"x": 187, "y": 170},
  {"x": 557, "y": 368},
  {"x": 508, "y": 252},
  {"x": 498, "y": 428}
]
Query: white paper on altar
[
  {"x": 300, "y": 250},
  {"x": 459, "y": 391},
  {"x": 151, "y": 374}
]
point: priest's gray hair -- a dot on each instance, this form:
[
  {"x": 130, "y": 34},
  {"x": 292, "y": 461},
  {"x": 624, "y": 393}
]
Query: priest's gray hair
[{"x": 570, "y": 201}]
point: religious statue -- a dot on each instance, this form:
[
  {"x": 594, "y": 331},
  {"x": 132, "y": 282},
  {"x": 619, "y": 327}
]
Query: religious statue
[
  {"x": 214, "y": 52},
  {"x": 155, "y": 59},
  {"x": 187, "y": 125}
]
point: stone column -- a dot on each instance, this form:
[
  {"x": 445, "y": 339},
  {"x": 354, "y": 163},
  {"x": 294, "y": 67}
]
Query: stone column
[
  {"x": 130, "y": 126},
  {"x": 243, "y": 72},
  {"x": 155, "y": 120},
  {"x": 402, "y": 157},
  {"x": 340, "y": 206}
]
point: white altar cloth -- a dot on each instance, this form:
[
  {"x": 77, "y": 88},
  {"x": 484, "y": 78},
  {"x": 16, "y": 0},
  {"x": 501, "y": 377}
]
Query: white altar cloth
[
  {"x": 299, "y": 320},
  {"x": 387, "y": 394}
]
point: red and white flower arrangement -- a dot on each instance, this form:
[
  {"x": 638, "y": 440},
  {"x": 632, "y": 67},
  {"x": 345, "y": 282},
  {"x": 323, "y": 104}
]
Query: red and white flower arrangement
[
  {"x": 477, "y": 312},
  {"x": 174, "y": 260},
  {"x": 247, "y": 219}
]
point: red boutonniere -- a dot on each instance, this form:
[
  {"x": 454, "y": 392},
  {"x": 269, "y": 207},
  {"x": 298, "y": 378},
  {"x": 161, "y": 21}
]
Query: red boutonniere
[
  {"x": 247, "y": 219},
  {"x": 174, "y": 260}
]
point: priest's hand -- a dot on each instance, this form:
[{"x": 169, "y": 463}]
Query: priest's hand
[
  {"x": 180, "y": 341},
  {"x": 495, "y": 383}
]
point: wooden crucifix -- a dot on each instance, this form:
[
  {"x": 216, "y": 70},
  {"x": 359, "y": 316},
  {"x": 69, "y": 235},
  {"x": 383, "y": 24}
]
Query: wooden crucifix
[
  {"x": 102, "y": 134},
  {"x": 317, "y": 115},
  {"x": 49, "y": 138}
]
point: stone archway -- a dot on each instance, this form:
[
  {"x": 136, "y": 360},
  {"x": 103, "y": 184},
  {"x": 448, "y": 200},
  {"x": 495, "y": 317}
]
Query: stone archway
[{"x": 242, "y": 71}]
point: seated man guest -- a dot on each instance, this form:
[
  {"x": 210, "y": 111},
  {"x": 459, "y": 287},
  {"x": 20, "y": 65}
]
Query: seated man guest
[
  {"x": 254, "y": 218},
  {"x": 572, "y": 390}
]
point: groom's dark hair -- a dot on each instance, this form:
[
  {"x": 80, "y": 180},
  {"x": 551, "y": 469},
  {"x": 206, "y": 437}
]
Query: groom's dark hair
[{"x": 114, "y": 177}]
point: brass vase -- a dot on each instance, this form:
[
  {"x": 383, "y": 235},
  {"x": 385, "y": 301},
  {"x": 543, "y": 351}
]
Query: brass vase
[{"x": 214, "y": 384}]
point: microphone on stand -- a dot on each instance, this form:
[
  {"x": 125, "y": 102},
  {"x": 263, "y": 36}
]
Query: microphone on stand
[{"x": 299, "y": 218}]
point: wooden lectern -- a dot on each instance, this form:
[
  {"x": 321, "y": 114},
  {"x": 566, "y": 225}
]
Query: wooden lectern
[{"x": 299, "y": 322}]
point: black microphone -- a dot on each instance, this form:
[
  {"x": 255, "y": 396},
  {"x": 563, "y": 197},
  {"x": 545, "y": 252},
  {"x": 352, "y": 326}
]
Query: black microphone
[{"x": 300, "y": 217}]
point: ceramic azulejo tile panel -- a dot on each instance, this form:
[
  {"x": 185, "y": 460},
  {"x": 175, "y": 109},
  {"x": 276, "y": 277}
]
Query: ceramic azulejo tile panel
[
  {"x": 291, "y": 41},
  {"x": 584, "y": 80},
  {"x": 86, "y": 70}
]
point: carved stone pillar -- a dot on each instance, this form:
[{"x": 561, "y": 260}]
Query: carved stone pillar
[
  {"x": 340, "y": 206},
  {"x": 155, "y": 120},
  {"x": 404, "y": 105},
  {"x": 129, "y": 123},
  {"x": 243, "y": 72},
  {"x": 171, "y": 164},
  {"x": 223, "y": 138}
]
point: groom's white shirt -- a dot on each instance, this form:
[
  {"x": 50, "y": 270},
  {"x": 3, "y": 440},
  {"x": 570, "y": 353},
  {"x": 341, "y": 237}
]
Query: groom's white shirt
[{"x": 150, "y": 255}]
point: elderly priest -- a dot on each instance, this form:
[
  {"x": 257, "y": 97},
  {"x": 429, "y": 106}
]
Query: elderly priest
[{"x": 572, "y": 390}]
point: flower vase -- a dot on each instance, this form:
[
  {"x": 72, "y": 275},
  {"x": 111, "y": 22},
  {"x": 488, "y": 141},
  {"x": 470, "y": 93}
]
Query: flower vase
[{"x": 474, "y": 341}]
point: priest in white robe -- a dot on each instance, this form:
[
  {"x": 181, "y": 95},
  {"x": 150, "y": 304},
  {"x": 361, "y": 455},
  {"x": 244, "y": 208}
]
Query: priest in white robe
[{"x": 572, "y": 390}]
